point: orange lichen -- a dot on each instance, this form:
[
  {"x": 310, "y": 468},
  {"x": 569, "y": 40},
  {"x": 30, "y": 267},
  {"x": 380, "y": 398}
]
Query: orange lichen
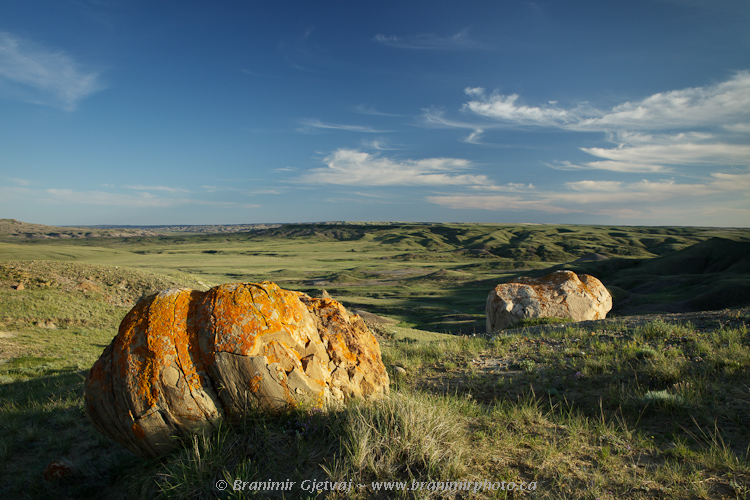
[
  {"x": 254, "y": 383},
  {"x": 163, "y": 357},
  {"x": 138, "y": 431}
]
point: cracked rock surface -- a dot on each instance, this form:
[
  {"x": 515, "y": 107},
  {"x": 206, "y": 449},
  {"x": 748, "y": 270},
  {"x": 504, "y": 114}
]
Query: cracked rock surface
[
  {"x": 562, "y": 294},
  {"x": 185, "y": 359}
]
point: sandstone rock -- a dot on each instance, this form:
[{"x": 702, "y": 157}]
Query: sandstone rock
[
  {"x": 562, "y": 294},
  {"x": 185, "y": 359}
]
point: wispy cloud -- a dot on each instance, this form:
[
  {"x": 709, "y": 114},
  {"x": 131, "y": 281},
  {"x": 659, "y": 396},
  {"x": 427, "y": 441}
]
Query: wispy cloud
[
  {"x": 268, "y": 191},
  {"x": 165, "y": 189},
  {"x": 37, "y": 74},
  {"x": 110, "y": 197},
  {"x": 435, "y": 118},
  {"x": 430, "y": 41},
  {"x": 507, "y": 108},
  {"x": 20, "y": 182},
  {"x": 365, "y": 198},
  {"x": 367, "y": 109},
  {"x": 708, "y": 126},
  {"x": 644, "y": 199},
  {"x": 242, "y": 191},
  {"x": 312, "y": 125},
  {"x": 356, "y": 168},
  {"x": 719, "y": 105},
  {"x": 75, "y": 197},
  {"x": 380, "y": 145},
  {"x": 499, "y": 202}
]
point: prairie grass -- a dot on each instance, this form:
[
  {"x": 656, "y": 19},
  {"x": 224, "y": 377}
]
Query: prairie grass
[
  {"x": 605, "y": 424},
  {"x": 623, "y": 430},
  {"x": 618, "y": 409}
]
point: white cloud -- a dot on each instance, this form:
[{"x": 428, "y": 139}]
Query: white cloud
[
  {"x": 606, "y": 186},
  {"x": 165, "y": 189},
  {"x": 663, "y": 153},
  {"x": 20, "y": 182},
  {"x": 506, "y": 108},
  {"x": 73, "y": 197},
  {"x": 644, "y": 191},
  {"x": 312, "y": 125},
  {"x": 510, "y": 187},
  {"x": 677, "y": 154},
  {"x": 367, "y": 109},
  {"x": 724, "y": 104},
  {"x": 267, "y": 191},
  {"x": 33, "y": 73},
  {"x": 739, "y": 128},
  {"x": 731, "y": 182},
  {"x": 474, "y": 91},
  {"x": 430, "y": 41},
  {"x": 435, "y": 117},
  {"x": 112, "y": 198},
  {"x": 380, "y": 145},
  {"x": 244, "y": 192},
  {"x": 498, "y": 203},
  {"x": 613, "y": 166},
  {"x": 713, "y": 105},
  {"x": 698, "y": 126},
  {"x": 473, "y": 138},
  {"x": 356, "y": 168},
  {"x": 626, "y": 199}
]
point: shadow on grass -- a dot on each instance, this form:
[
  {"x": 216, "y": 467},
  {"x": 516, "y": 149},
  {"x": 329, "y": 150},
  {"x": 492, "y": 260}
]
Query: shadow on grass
[{"x": 42, "y": 421}]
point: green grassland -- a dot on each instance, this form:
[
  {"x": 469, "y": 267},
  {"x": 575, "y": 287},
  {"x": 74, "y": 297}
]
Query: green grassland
[
  {"x": 633, "y": 407},
  {"x": 431, "y": 276}
]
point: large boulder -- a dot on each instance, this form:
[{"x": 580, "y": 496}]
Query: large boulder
[
  {"x": 562, "y": 294},
  {"x": 184, "y": 360}
]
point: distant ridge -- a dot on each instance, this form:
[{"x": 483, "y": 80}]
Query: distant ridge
[
  {"x": 14, "y": 229},
  {"x": 190, "y": 228},
  {"x": 710, "y": 275}
]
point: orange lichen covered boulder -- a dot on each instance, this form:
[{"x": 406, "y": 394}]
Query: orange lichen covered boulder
[
  {"x": 562, "y": 294},
  {"x": 184, "y": 360}
]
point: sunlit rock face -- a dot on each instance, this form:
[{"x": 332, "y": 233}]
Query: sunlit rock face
[
  {"x": 184, "y": 360},
  {"x": 562, "y": 294}
]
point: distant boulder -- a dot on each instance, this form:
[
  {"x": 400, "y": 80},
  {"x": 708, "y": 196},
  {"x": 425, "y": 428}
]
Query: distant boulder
[
  {"x": 184, "y": 360},
  {"x": 562, "y": 294}
]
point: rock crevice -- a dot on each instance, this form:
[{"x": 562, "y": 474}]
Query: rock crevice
[
  {"x": 184, "y": 360},
  {"x": 562, "y": 294}
]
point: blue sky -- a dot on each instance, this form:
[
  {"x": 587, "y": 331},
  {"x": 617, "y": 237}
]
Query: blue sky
[{"x": 195, "y": 112}]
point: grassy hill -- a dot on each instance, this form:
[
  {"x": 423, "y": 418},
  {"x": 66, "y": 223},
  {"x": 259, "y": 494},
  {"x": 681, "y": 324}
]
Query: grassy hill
[
  {"x": 710, "y": 275},
  {"x": 630, "y": 408},
  {"x": 13, "y": 230},
  {"x": 430, "y": 276}
]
